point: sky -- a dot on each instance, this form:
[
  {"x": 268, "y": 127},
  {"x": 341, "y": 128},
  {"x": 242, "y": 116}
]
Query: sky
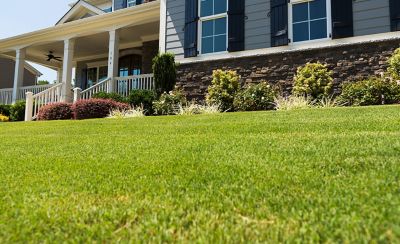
[{"x": 19, "y": 17}]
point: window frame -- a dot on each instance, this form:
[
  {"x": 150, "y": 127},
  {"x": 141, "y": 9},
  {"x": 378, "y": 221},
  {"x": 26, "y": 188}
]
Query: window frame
[
  {"x": 200, "y": 28},
  {"x": 130, "y": 1},
  {"x": 328, "y": 22}
]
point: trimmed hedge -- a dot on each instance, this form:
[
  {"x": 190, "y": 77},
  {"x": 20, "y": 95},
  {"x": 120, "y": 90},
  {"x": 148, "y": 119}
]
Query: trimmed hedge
[
  {"x": 96, "y": 108},
  {"x": 5, "y": 109},
  {"x": 139, "y": 98},
  {"x": 17, "y": 111},
  {"x": 113, "y": 96},
  {"x": 56, "y": 111}
]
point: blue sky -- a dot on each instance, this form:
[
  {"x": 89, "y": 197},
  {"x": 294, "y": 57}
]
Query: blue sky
[{"x": 18, "y": 17}]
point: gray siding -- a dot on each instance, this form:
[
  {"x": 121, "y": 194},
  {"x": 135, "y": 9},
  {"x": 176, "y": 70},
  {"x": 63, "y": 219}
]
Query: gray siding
[
  {"x": 257, "y": 24},
  {"x": 371, "y": 17},
  {"x": 175, "y": 24},
  {"x": 7, "y": 69}
]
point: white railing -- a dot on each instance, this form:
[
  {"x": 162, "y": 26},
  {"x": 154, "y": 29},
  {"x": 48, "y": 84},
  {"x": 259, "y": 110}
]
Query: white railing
[
  {"x": 6, "y": 96},
  {"x": 103, "y": 86},
  {"x": 123, "y": 85},
  {"x": 120, "y": 85},
  {"x": 37, "y": 101}
]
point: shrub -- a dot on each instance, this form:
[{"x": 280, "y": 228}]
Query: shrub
[
  {"x": 56, "y": 111},
  {"x": 113, "y": 96},
  {"x": 314, "y": 80},
  {"x": 96, "y": 108},
  {"x": 329, "y": 102},
  {"x": 394, "y": 65},
  {"x": 372, "y": 91},
  {"x": 4, "y": 118},
  {"x": 225, "y": 85},
  {"x": 126, "y": 114},
  {"x": 144, "y": 99},
  {"x": 17, "y": 111},
  {"x": 255, "y": 98},
  {"x": 292, "y": 102},
  {"x": 168, "y": 103},
  {"x": 5, "y": 109},
  {"x": 164, "y": 69}
]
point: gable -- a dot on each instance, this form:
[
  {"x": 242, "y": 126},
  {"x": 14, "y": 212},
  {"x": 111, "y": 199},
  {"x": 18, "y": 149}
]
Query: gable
[{"x": 80, "y": 10}]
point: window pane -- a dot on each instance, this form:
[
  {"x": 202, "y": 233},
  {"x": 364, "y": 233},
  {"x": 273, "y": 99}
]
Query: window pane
[
  {"x": 318, "y": 9},
  {"x": 300, "y": 32},
  {"x": 219, "y": 6},
  {"x": 220, "y": 26},
  {"x": 207, "y": 28},
  {"x": 207, "y": 45},
  {"x": 220, "y": 43},
  {"x": 300, "y": 12},
  {"x": 206, "y": 8},
  {"x": 318, "y": 29}
]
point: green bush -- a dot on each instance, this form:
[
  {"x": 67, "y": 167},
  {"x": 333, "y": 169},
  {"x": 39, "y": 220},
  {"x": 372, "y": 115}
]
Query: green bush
[
  {"x": 394, "y": 64},
  {"x": 372, "y": 91},
  {"x": 17, "y": 111},
  {"x": 222, "y": 92},
  {"x": 164, "y": 70},
  {"x": 143, "y": 98},
  {"x": 169, "y": 103},
  {"x": 313, "y": 80},
  {"x": 5, "y": 109},
  {"x": 113, "y": 96},
  {"x": 255, "y": 98}
]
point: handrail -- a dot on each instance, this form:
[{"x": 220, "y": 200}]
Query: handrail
[
  {"x": 35, "y": 102},
  {"x": 103, "y": 86}
]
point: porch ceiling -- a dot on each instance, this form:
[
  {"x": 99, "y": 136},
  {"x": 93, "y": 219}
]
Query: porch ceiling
[{"x": 136, "y": 25}]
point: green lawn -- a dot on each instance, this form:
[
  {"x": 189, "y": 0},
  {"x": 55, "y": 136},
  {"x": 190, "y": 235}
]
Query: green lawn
[{"x": 316, "y": 175}]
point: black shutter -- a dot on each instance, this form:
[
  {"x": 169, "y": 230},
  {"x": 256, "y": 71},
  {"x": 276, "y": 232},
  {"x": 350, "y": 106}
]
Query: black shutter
[
  {"x": 342, "y": 18},
  {"x": 236, "y": 25},
  {"x": 191, "y": 20},
  {"x": 279, "y": 23},
  {"x": 395, "y": 15},
  {"x": 138, "y": 2},
  {"x": 84, "y": 79},
  {"x": 120, "y": 4}
]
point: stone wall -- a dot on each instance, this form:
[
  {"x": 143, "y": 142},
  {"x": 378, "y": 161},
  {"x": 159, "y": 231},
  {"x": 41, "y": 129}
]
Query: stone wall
[
  {"x": 150, "y": 50},
  {"x": 348, "y": 63}
]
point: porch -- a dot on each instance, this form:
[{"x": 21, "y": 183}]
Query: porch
[{"x": 111, "y": 52}]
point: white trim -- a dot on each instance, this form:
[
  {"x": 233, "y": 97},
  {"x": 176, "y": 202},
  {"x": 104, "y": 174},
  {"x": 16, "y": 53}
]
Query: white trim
[
  {"x": 163, "y": 26},
  {"x": 295, "y": 48},
  {"x": 328, "y": 22},
  {"x": 80, "y": 4}
]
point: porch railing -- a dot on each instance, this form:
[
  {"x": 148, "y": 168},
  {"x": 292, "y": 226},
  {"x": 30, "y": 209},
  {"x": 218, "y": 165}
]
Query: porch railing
[
  {"x": 6, "y": 94},
  {"x": 35, "y": 102},
  {"x": 120, "y": 85}
]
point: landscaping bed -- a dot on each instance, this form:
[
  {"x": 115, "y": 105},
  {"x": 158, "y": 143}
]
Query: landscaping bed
[{"x": 314, "y": 175}]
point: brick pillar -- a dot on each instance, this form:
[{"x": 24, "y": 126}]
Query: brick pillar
[{"x": 150, "y": 50}]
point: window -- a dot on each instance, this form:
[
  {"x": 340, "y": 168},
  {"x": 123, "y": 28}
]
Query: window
[
  {"x": 309, "y": 20},
  {"x": 213, "y": 26},
  {"x": 131, "y": 3},
  {"x": 96, "y": 74}
]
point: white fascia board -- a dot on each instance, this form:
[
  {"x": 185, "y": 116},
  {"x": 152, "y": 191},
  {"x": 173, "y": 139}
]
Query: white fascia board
[{"x": 76, "y": 8}]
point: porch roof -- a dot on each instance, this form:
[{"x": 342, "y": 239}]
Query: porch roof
[{"x": 84, "y": 28}]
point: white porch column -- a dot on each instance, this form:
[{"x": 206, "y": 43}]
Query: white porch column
[
  {"x": 113, "y": 57},
  {"x": 59, "y": 75},
  {"x": 19, "y": 72},
  {"x": 66, "y": 92}
]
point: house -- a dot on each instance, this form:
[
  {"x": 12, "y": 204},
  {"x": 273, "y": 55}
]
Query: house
[{"x": 110, "y": 44}]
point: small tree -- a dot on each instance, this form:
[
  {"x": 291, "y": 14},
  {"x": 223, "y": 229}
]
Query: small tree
[
  {"x": 314, "y": 80},
  {"x": 394, "y": 65},
  {"x": 43, "y": 82},
  {"x": 164, "y": 69}
]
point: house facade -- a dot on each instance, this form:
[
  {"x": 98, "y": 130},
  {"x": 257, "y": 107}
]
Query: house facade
[{"x": 105, "y": 45}]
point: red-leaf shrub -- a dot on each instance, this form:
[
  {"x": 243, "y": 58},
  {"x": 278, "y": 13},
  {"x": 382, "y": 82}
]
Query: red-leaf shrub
[
  {"x": 56, "y": 111},
  {"x": 96, "y": 108}
]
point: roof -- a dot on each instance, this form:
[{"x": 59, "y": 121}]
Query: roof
[{"x": 77, "y": 8}]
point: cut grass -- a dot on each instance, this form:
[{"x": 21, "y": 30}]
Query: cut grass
[{"x": 297, "y": 176}]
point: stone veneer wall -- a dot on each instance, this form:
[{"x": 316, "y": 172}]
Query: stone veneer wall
[
  {"x": 348, "y": 63},
  {"x": 150, "y": 50}
]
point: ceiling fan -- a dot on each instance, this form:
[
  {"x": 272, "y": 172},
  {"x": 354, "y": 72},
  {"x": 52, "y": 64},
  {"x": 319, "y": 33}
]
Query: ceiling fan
[{"x": 51, "y": 56}]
